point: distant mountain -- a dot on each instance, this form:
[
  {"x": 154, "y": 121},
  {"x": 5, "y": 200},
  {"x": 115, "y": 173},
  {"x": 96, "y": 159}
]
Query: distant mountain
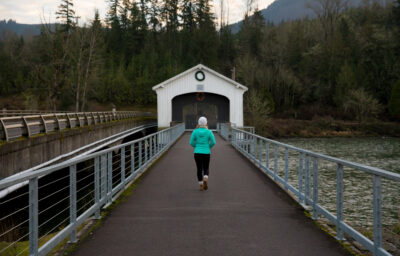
[
  {"x": 19, "y": 29},
  {"x": 284, "y": 10}
]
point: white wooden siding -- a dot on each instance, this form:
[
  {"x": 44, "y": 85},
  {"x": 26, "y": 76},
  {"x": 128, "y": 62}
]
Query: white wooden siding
[{"x": 188, "y": 84}]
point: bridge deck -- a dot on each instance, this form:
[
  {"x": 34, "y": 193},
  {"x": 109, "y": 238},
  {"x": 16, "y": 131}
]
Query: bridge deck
[{"x": 242, "y": 213}]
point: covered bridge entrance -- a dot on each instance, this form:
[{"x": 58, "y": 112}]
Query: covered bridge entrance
[
  {"x": 199, "y": 91},
  {"x": 188, "y": 108}
]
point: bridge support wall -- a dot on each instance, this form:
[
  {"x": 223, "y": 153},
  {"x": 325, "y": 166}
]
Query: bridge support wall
[{"x": 22, "y": 154}]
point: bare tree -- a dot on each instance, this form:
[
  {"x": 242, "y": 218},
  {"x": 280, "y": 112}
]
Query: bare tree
[
  {"x": 249, "y": 6},
  {"x": 81, "y": 37},
  {"x": 58, "y": 43},
  {"x": 328, "y": 11},
  {"x": 95, "y": 31}
]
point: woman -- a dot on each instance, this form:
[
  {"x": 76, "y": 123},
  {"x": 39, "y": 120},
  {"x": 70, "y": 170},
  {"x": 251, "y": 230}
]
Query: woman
[{"x": 202, "y": 140}]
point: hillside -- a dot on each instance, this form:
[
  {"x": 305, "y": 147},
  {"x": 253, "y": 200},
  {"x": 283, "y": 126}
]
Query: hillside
[
  {"x": 284, "y": 10},
  {"x": 19, "y": 29}
]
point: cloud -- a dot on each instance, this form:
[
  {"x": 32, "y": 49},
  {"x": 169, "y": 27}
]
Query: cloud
[
  {"x": 33, "y": 11},
  {"x": 237, "y": 8}
]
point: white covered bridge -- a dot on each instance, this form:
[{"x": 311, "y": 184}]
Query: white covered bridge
[{"x": 199, "y": 91}]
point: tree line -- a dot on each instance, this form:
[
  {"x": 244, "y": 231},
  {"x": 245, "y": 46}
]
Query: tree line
[{"x": 344, "y": 63}]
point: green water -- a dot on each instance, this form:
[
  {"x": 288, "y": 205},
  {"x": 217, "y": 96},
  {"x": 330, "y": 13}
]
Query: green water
[{"x": 382, "y": 153}]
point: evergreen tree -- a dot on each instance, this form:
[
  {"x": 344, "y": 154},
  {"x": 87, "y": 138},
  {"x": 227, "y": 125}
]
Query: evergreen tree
[
  {"x": 205, "y": 36},
  {"x": 66, "y": 14},
  {"x": 114, "y": 39},
  {"x": 394, "y": 103}
]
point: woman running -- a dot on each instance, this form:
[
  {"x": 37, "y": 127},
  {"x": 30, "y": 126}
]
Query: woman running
[{"x": 202, "y": 140}]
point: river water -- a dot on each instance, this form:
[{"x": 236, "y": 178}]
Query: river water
[{"x": 383, "y": 153}]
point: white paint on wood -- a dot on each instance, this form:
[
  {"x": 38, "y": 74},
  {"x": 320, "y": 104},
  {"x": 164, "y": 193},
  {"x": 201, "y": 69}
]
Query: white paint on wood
[{"x": 186, "y": 83}]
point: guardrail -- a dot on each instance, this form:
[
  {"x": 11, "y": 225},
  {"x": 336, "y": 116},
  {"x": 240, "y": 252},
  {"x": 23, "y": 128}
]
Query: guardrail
[
  {"x": 9, "y": 113},
  {"x": 61, "y": 197},
  {"x": 28, "y": 125},
  {"x": 306, "y": 187},
  {"x": 224, "y": 129}
]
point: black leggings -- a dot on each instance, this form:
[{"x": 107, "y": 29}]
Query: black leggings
[{"x": 202, "y": 163}]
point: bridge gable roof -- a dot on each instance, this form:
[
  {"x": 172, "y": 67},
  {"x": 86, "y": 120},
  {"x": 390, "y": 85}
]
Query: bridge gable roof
[{"x": 199, "y": 67}]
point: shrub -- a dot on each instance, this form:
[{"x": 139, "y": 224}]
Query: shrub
[
  {"x": 362, "y": 105},
  {"x": 394, "y": 102}
]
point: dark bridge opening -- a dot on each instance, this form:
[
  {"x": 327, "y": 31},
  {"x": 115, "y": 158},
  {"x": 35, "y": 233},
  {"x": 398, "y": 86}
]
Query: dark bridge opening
[{"x": 188, "y": 108}]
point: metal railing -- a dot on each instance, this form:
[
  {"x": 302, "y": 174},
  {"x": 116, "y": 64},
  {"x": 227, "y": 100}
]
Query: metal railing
[
  {"x": 306, "y": 187},
  {"x": 61, "y": 197},
  {"x": 29, "y": 125}
]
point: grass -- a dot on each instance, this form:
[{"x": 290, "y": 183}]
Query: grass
[
  {"x": 396, "y": 229},
  {"x": 21, "y": 248}
]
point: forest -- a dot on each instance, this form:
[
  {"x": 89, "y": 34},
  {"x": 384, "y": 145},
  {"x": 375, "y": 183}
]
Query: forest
[{"x": 345, "y": 63}]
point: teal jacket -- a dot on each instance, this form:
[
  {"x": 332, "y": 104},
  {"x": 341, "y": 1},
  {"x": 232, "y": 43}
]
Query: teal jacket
[{"x": 202, "y": 140}]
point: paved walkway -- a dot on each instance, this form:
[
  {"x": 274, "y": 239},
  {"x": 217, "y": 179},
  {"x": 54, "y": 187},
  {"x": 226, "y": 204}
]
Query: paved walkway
[{"x": 242, "y": 213}]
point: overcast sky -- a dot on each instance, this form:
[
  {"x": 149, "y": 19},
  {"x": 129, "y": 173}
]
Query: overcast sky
[{"x": 33, "y": 11}]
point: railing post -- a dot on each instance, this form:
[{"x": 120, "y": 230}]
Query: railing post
[
  {"x": 28, "y": 130},
  {"x": 300, "y": 177},
  {"x": 151, "y": 146},
  {"x": 72, "y": 201},
  {"x": 315, "y": 188},
  {"x": 132, "y": 159},
  {"x": 253, "y": 150},
  {"x": 245, "y": 142},
  {"x": 146, "y": 147},
  {"x": 58, "y": 122},
  {"x": 123, "y": 167},
  {"x": 94, "y": 118},
  {"x": 33, "y": 217},
  {"x": 103, "y": 177},
  {"x": 307, "y": 180},
  {"x": 109, "y": 178},
  {"x": 286, "y": 167},
  {"x": 275, "y": 161},
  {"x": 339, "y": 201},
  {"x": 140, "y": 154},
  {"x": 44, "y": 123},
  {"x": 4, "y": 129},
  {"x": 78, "y": 120},
  {"x": 157, "y": 143},
  {"x": 69, "y": 121},
  {"x": 267, "y": 156},
  {"x": 260, "y": 153},
  {"x": 377, "y": 186},
  {"x": 86, "y": 118},
  {"x": 97, "y": 187}
]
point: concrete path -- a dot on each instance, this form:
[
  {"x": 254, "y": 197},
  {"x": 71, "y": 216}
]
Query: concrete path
[{"x": 242, "y": 213}]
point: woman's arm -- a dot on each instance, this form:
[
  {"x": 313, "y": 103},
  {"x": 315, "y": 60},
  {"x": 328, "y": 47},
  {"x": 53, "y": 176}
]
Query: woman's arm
[
  {"x": 193, "y": 139},
  {"x": 212, "y": 139}
]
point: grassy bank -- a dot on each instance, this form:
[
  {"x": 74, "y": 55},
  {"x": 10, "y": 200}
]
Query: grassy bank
[{"x": 320, "y": 127}]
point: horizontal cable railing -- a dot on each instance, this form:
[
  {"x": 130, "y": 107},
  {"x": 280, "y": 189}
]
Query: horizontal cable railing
[
  {"x": 306, "y": 180},
  {"x": 60, "y": 198},
  {"x": 28, "y": 125}
]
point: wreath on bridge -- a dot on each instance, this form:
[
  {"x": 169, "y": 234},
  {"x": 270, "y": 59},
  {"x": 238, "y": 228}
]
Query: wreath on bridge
[
  {"x": 200, "y": 76},
  {"x": 200, "y": 96}
]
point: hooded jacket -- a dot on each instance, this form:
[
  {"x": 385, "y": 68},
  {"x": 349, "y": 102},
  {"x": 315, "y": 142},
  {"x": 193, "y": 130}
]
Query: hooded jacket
[{"x": 202, "y": 140}]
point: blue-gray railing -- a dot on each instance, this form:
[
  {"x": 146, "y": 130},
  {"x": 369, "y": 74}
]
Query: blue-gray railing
[
  {"x": 306, "y": 190},
  {"x": 90, "y": 183}
]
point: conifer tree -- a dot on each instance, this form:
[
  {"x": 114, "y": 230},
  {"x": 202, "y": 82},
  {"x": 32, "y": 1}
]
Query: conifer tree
[
  {"x": 394, "y": 103},
  {"x": 114, "y": 36},
  {"x": 66, "y": 14}
]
